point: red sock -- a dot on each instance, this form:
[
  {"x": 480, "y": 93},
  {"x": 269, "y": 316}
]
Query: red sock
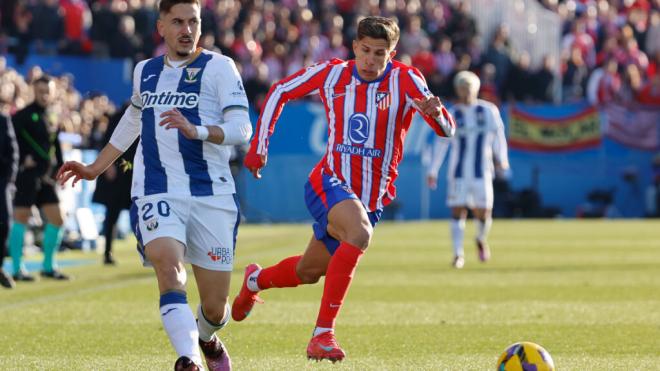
[
  {"x": 337, "y": 281},
  {"x": 282, "y": 274}
]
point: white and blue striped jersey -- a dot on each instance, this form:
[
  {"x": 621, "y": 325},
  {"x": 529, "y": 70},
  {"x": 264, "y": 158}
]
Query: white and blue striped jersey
[
  {"x": 203, "y": 89},
  {"x": 479, "y": 139}
]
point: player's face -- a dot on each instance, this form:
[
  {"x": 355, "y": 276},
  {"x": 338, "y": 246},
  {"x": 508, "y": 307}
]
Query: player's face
[
  {"x": 372, "y": 57},
  {"x": 44, "y": 93},
  {"x": 180, "y": 28},
  {"x": 466, "y": 92}
]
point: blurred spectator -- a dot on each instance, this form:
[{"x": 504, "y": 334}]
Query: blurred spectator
[
  {"x": 125, "y": 43},
  {"x": 77, "y": 22},
  {"x": 582, "y": 41},
  {"x": 445, "y": 59},
  {"x": 499, "y": 55},
  {"x": 424, "y": 59},
  {"x": 413, "y": 37},
  {"x": 652, "y": 42},
  {"x": 632, "y": 84},
  {"x": 604, "y": 83},
  {"x": 575, "y": 76},
  {"x": 650, "y": 92},
  {"x": 543, "y": 87},
  {"x": 22, "y": 23},
  {"x": 521, "y": 83},
  {"x": 462, "y": 27},
  {"x": 488, "y": 90},
  {"x": 47, "y": 27}
]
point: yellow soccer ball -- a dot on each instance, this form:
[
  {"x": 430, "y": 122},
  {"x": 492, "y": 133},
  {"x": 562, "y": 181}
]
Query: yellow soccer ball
[{"x": 525, "y": 356}]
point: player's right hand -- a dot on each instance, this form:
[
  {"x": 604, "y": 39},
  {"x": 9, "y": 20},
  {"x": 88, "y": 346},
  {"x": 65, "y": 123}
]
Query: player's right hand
[
  {"x": 255, "y": 163},
  {"x": 75, "y": 170}
]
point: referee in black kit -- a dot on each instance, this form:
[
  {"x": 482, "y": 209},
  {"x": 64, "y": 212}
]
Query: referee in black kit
[{"x": 40, "y": 157}]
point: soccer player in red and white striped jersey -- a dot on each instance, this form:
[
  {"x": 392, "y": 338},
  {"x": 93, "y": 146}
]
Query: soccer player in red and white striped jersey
[{"x": 369, "y": 103}]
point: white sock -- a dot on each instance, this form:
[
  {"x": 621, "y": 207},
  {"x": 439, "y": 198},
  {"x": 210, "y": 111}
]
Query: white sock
[
  {"x": 207, "y": 328},
  {"x": 483, "y": 227},
  {"x": 457, "y": 234},
  {"x": 320, "y": 330},
  {"x": 180, "y": 325},
  {"x": 252, "y": 281}
]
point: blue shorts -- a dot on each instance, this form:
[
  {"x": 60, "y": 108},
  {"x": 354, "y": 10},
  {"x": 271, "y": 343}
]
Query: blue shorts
[{"x": 322, "y": 192}]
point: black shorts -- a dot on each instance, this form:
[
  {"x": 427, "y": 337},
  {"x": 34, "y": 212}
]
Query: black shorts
[{"x": 34, "y": 190}]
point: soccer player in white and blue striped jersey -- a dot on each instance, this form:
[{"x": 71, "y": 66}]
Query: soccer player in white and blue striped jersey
[
  {"x": 478, "y": 154},
  {"x": 188, "y": 108}
]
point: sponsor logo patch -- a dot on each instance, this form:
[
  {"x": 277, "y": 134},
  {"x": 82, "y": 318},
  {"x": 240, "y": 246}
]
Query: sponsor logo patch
[{"x": 221, "y": 254}]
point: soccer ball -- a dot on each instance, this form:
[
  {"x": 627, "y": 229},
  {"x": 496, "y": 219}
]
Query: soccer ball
[{"x": 525, "y": 356}]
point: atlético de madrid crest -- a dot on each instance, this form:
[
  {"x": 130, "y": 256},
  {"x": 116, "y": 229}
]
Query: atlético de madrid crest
[
  {"x": 383, "y": 99},
  {"x": 191, "y": 74}
]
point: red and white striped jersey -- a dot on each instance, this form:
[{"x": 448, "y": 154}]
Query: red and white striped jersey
[{"x": 367, "y": 122}]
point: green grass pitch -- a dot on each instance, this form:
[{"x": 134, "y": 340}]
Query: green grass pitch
[{"x": 587, "y": 291}]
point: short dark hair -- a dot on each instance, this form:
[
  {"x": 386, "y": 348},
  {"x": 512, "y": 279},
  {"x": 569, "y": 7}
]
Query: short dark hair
[
  {"x": 379, "y": 28},
  {"x": 166, "y": 5},
  {"x": 43, "y": 79}
]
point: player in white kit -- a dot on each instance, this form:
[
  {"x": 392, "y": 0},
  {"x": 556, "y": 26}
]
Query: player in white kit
[
  {"x": 478, "y": 153},
  {"x": 184, "y": 203}
]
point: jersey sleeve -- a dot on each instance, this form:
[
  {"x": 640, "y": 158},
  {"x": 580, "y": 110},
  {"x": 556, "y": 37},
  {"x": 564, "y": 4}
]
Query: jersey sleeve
[
  {"x": 438, "y": 153},
  {"x": 304, "y": 82},
  {"x": 233, "y": 103},
  {"x": 500, "y": 151},
  {"x": 130, "y": 124},
  {"x": 229, "y": 85},
  {"x": 444, "y": 125}
]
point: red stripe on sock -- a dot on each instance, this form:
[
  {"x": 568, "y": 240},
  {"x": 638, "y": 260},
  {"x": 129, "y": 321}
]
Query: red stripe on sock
[
  {"x": 282, "y": 274},
  {"x": 337, "y": 281}
]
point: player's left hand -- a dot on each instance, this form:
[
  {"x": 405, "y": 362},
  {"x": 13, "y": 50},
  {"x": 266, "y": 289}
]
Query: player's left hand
[
  {"x": 430, "y": 106},
  {"x": 174, "y": 119}
]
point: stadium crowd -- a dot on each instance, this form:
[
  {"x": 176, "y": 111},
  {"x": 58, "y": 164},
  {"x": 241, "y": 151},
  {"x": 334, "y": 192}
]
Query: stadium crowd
[{"x": 609, "y": 50}]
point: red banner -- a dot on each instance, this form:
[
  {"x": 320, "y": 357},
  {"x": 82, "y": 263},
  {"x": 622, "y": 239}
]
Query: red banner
[{"x": 556, "y": 132}]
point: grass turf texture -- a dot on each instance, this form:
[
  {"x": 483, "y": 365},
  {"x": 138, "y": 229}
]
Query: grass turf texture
[{"x": 587, "y": 291}]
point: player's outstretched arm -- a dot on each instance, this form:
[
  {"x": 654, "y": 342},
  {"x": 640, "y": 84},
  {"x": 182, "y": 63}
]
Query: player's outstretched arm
[{"x": 77, "y": 171}]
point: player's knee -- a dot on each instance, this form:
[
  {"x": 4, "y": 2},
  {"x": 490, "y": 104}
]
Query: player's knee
[
  {"x": 171, "y": 276},
  {"x": 361, "y": 237},
  {"x": 214, "y": 310},
  {"x": 309, "y": 275}
]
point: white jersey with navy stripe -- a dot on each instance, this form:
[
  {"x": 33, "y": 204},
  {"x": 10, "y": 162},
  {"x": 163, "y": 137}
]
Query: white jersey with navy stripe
[
  {"x": 479, "y": 138},
  {"x": 202, "y": 90}
]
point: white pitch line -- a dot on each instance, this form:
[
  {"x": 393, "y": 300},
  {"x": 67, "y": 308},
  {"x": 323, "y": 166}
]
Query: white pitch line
[{"x": 117, "y": 285}]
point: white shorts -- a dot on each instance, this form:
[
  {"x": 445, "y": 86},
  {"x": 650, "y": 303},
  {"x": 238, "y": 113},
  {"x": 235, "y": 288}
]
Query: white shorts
[
  {"x": 207, "y": 226},
  {"x": 472, "y": 193}
]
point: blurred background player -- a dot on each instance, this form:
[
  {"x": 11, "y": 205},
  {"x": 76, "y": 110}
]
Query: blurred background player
[
  {"x": 8, "y": 168},
  {"x": 40, "y": 156},
  {"x": 478, "y": 154},
  {"x": 185, "y": 207},
  {"x": 369, "y": 103},
  {"x": 113, "y": 188}
]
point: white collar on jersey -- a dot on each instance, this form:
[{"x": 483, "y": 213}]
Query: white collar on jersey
[{"x": 177, "y": 64}]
